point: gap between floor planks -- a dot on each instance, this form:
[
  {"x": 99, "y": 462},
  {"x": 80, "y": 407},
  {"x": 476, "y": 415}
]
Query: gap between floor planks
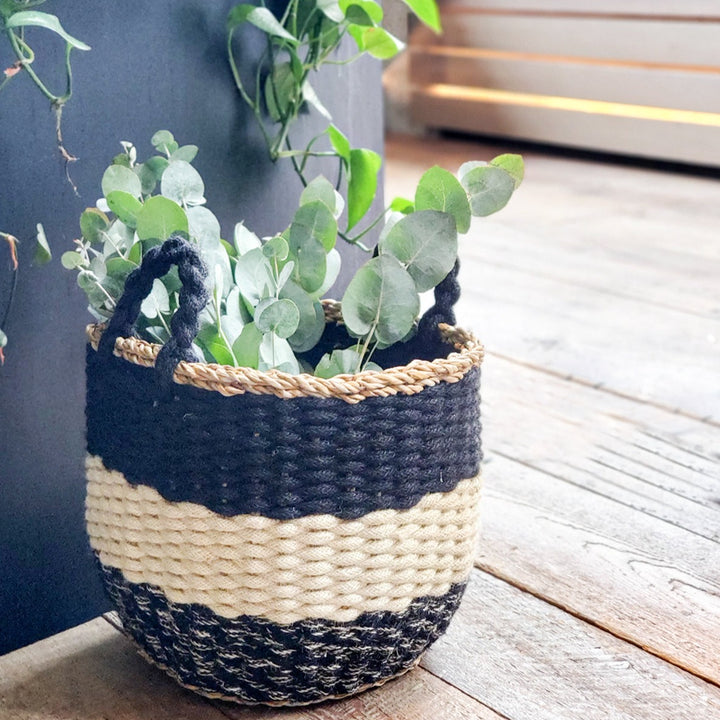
[
  {"x": 529, "y": 660},
  {"x": 637, "y": 556}
]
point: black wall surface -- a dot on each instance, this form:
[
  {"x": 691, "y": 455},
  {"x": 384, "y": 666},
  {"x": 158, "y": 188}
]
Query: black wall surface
[{"x": 153, "y": 65}]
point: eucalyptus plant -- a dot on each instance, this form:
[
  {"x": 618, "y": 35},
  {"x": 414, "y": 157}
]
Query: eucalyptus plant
[
  {"x": 266, "y": 311},
  {"x": 15, "y": 19}
]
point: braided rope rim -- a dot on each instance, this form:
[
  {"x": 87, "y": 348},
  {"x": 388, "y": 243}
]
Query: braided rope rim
[{"x": 408, "y": 379}]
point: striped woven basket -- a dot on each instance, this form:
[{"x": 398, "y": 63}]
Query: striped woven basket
[{"x": 274, "y": 538}]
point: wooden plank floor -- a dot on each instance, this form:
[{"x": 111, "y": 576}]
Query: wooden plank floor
[{"x": 597, "y": 588}]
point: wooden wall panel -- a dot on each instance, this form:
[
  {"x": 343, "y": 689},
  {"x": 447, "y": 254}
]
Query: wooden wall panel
[{"x": 525, "y": 69}]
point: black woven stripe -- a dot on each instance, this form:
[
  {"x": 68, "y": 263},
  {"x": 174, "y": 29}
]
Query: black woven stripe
[
  {"x": 255, "y": 660},
  {"x": 282, "y": 458}
]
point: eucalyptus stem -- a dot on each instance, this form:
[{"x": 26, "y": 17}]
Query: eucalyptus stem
[
  {"x": 255, "y": 106},
  {"x": 354, "y": 240}
]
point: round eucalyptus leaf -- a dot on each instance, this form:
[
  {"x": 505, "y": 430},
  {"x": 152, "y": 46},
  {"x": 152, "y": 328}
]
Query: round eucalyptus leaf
[
  {"x": 159, "y": 218},
  {"x": 313, "y": 220},
  {"x": 276, "y": 353},
  {"x": 466, "y": 167},
  {"x": 381, "y": 299},
  {"x": 339, "y": 362},
  {"x": 332, "y": 271},
  {"x": 158, "y": 301},
  {"x": 425, "y": 243},
  {"x": 97, "y": 267},
  {"x": 215, "y": 346},
  {"x": 235, "y": 307},
  {"x": 311, "y": 321},
  {"x": 119, "y": 268},
  {"x": 390, "y": 221},
  {"x": 276, "y": 248},
  {"x": 43, "y": 254},
  {"x": 285, "y": 274},
  {"x": 72, "y": 260},
  {"x": 182, "y": 183},
  {"x": 512, "y": 164},
  {"x": 281, "y": 317},
  {"x": 148, "y": 178},
  {"x": 93, "y": 223},
  {"x": 440, "y": 190},
  {"x": 489, "y": 189},
  {"x": 121, "y": 159},
  {"x": 117, "y": 177},
  {"x": 254, "y": 276},
  {"x": 125, "y": 206},
  {"x": 322, "y": 189},
  {"x": 163, "y": 141},
  {"x": 244, "y": 239},
  {"x": 185, "y": 152},
  {"x": 246, "y": 347},
  {"x": 157, "y": 165}
]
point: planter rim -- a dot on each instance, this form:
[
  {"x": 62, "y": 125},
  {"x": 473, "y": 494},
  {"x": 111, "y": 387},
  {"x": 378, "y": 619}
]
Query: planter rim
[{"x": 408, "y": 379}]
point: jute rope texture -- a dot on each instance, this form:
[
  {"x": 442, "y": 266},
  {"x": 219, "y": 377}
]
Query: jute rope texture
[
  {"x": 406, "y": 380},
  {"x": 283, "y": 570}
]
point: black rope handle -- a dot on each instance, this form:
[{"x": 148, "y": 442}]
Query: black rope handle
[
  {"x": 447, "y": 293},
  {"x": 184, "y": 325}
]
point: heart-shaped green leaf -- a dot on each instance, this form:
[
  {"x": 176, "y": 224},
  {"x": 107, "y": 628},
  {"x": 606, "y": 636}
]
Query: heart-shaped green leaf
[{"x": 362, "y": 183}]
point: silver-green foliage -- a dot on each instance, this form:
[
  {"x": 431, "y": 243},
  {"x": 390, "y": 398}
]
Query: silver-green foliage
[{"x": 265, "y": 308}]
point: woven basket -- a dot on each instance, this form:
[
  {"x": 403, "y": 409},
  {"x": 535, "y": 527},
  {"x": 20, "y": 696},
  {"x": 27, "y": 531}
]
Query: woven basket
[{"x": 274, "y": 538}]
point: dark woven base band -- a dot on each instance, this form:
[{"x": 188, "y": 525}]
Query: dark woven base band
[
  {"x": 253, "y": 660},
  {"x": 278, "y": 458}
]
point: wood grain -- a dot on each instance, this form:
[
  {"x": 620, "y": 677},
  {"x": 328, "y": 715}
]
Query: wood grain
[
  {"x": 663, "y": 8},
  {"x": 418, "y": 695},
  {"x": 611, "y": 38},
  {"x": 531, "y": 661},
  {"x": 91, "y": 672},
  {"x": 605, "y": 445},
  {"x": 657, "y": 86}
]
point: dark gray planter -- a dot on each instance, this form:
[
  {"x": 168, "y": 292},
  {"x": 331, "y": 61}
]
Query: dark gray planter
[{"x": 153, "y": 65}]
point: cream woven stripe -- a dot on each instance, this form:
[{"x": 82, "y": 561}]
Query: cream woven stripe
[{"x": 317, "y": 566}]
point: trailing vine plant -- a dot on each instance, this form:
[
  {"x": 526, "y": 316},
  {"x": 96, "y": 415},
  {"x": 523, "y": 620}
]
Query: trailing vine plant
[
  {"x": 15, "y": 18},
  {"x": 297, "y": 45}
]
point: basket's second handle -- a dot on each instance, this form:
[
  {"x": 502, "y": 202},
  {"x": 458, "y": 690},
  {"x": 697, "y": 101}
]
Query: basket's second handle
[
  {"x": 447, "y": 293},
  {"x": 184, "y": 325}
]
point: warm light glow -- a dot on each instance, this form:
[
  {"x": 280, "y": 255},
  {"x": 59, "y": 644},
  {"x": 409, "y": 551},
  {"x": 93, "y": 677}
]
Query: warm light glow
[
  {"x": 594, "y": 107},
  {"x": 474, "y": 53}
]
